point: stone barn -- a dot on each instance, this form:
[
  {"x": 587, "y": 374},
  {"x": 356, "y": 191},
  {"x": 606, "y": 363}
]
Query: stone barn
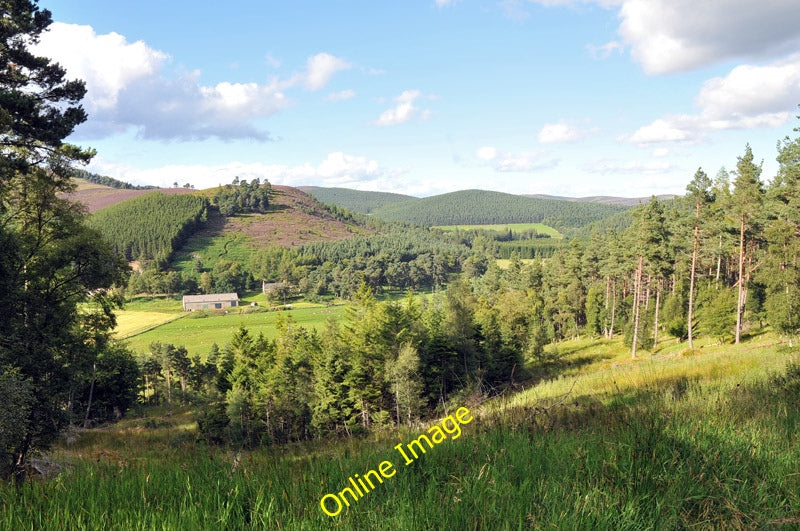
[{"x": 215, "y": 301}]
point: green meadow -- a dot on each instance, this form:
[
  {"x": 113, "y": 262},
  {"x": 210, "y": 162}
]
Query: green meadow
[
  {"x": 515, "y": 227},
  {"x": 198, "y": 331}
]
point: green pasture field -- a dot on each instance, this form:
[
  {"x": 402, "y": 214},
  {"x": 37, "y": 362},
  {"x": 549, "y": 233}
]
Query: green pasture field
[
  {"x": 131, "y": 322},
  {"x": 675, "y": 439},
  {"x": 516, "y": 227},
  {"x": 197, "y": 331},
  {"x": 212, "y": 248},
  {"x": 504, "y": 263}
]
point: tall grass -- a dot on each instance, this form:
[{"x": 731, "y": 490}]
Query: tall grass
[{"x": 687, "y": 443}]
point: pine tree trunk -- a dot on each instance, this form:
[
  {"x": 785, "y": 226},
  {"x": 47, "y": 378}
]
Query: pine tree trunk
[
  {"x": 91, "y": 393},
  {"x": 740, "y": 301},
  {"x": 655, "y": 327},
  {"x": 689, "y": 320},
  {"x": 169, "y": 385},
  {"x": 613, "y": 309},
  {"x": 637, "y": 295}
]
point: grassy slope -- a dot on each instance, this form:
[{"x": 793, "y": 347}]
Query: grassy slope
[{"x": 667, "y": 441}]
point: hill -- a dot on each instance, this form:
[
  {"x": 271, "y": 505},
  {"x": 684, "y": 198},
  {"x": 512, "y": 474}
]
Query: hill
[
  {"x": 99, "y": 196},
  {"x": 485, "y": 207},
  {"x": 355, "y": 200},
  {"x": 294, "y": 219},
  {"x": 604, "y": 199}
]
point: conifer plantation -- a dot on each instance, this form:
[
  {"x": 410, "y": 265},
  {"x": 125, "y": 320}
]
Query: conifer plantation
[{"x": 622, "y": 367}]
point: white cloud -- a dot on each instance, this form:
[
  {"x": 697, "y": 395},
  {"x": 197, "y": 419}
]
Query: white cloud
[
  {"x": 341, "y": 95},
  {"x": 660, "y": 131},
  {"x": 559, "y": 133},
  {"x": 677, "y": 35},
  {"x": 487, "y": 153},
  {"x": 749, "y": 97},
  {"x": 667, "y": 36},
  {"x": 108, "y": 63},
  {"x": 616, "y": 167},
  {"x": 128, "y": 87},
  {"x": 604, "y": 51},
  {"x": 525, "y": 161},
  {"x": 273, "y": 61},
  {"x": 660, "y": 152},
  {"x": 404, "y": 110},
  {"x": 445, "y": 3},
  {"x": 321, "y": 68}
]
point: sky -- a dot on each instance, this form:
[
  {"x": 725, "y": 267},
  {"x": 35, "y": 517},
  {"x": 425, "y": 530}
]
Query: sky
[{"x": 421, "y": 97}]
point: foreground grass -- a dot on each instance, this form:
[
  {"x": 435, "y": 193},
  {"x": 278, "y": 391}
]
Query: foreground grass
[{"x": 668, "y": 441}]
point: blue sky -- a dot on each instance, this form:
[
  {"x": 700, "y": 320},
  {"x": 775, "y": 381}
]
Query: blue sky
[{"x": 566, "y": 97}]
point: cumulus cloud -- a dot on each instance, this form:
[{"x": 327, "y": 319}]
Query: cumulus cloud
[
  {"x": 108, "y": 63},
  {"x": 321, "y": 68},
  {"x": 749, "y": 97},
  {"x": 559, "y": 133},
  {"x": 667, "y": 36},
  {"x": 677, "y": 35},
  {"x": 525, "y": 161},
  {"x": 404, "y": 110},
  {"x": 129, "y": 87}
]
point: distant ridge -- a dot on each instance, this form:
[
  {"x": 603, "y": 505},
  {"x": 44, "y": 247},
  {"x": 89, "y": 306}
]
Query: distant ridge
[
  {"x": 605, "y": 199},
  {"x": 354, "y": 200},
  {"x": 486, "y": 207}
]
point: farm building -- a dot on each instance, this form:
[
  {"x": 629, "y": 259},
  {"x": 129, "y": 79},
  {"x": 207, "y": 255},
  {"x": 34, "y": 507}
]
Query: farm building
[
  {"x": 266, "y": 287},
  {"x": 216, "y": 301}
]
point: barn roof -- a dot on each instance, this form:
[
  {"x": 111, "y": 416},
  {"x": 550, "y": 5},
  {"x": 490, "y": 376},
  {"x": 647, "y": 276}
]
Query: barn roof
[{"x": 211, "y": 298}]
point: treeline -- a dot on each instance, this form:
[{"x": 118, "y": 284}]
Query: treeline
[
  {"x": 504, "y": 244},
  {"x": 481, "y": 207},
  {"x": 389, "y": 363},
  {"x": 723, "y": 261},
  {"x": 242, "y": 197},
  {"x": 106, "y": 181},
  {"x": 151, "y": 226}
]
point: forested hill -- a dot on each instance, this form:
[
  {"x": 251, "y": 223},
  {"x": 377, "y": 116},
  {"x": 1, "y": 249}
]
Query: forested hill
[
  {"x": 606, "y": 199},
  {"x": 355, "y": 200},
  {"x": 484, "y": 207}
]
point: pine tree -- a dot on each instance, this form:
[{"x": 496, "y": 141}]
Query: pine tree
[
  {"x": 747, "y": 199},
  {"x": 699, "y": 194},
  {"x": 782, "y": 272},
  {"x": 49, "y": 259},
  {"x": 649, "y": 239}
]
